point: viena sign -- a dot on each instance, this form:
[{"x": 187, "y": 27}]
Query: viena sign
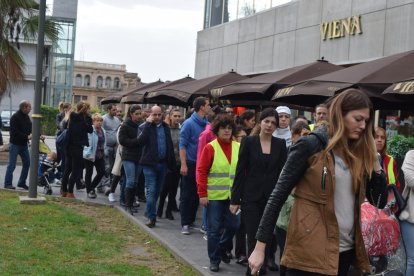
[{"x": 340, "y": 28}]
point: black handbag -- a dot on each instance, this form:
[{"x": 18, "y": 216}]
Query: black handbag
[{"x": 399, "y": 199}]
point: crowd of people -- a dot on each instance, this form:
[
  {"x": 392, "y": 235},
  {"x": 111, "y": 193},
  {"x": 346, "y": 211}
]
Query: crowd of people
[{"x": 264, "y": 179}]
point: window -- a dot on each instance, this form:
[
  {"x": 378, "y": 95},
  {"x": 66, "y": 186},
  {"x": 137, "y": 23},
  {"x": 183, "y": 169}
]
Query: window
[
  {"x": 78, "y": 80},
  {"x": 99, "y": 99},
  {"x": 117, "y": 83},
  {"x": 78, "y": 98},
  {"x": 99, "y": 82},
  {"x": 108, "y": 82},
  {"x": 221, "y": 11},
  {"x": 260, "y": 5},
  {"x": 230, "y": 11},
  {"x": 87, "y": 81},
  {"x": 246, "y": 8}
]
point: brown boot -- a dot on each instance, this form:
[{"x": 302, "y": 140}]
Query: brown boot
[
  {"x": 70, "y": 195},
  {"x": 63, "y": 194}
]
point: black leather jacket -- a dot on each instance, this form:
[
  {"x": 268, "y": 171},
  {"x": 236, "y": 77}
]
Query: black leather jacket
[{"x": 295, "y": 167}]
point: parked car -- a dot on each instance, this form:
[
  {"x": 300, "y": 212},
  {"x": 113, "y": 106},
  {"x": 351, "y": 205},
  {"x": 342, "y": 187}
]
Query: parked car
[{"x": 5, "y": 118}]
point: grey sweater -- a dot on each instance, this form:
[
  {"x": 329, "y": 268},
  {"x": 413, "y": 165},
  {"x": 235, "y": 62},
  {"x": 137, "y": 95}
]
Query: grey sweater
[{"x": 110, "y": 125}]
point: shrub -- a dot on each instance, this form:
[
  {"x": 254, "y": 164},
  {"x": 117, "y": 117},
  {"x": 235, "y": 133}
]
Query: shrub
[
  {"x": 399, "y": 145},
  {"x": 48, "y": 121}
]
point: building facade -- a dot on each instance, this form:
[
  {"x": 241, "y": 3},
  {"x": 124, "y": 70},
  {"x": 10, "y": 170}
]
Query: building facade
[
  {"x": 93, "y": 81},
  {"x": 300, "y": 32},
  {"x": 256, "y": 36}
]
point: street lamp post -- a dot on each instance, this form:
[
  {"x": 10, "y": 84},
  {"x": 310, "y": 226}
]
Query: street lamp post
[{"x": 36, "y": 116}]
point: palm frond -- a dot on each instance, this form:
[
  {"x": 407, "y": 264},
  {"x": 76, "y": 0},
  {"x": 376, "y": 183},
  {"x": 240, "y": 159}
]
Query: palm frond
[
  {"x": 30, "y": 29},
  {"x": 11, "y": 66}
]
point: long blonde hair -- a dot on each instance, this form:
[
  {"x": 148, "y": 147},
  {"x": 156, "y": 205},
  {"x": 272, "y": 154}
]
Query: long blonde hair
[{"x": 359, "y": 155}]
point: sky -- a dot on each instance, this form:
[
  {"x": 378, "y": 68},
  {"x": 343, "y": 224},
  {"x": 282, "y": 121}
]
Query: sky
[{"x": 154, "y": 38}]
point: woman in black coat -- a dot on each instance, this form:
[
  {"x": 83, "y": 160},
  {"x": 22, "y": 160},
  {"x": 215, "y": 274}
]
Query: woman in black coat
[
  {"x": 131, "y": 154},
  {"x": 261, "y": 160},
  {"x": 79, "y": 125}
]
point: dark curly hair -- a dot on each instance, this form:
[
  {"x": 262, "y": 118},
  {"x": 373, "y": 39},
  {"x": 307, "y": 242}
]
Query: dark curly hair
[{"x": 223, "y": 120}]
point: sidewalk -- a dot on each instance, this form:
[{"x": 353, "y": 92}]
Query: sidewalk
[{"x": 192, "y": 248}]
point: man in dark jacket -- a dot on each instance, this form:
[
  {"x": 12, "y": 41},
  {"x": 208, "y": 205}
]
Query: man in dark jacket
[
  {"x": 20, "y": 134},
  {"x": 157, "y": 156}
]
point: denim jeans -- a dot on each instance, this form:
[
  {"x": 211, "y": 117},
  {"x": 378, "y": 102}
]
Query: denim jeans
[
  {"x": 154, "y": 179},
  {"x": 219, "y": 217},
  {"x": 132, "y": 170},
  {"x": 122, "y": 186},
  {"x": 188, "y": 196},
  {"x": 407, "y": 231},
  {"x": 15, "y": 150}
]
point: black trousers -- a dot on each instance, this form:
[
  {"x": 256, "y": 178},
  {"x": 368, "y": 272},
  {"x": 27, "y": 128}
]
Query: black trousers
[
  {"x": 252, "y": 213},
  {"x": 188, "y": 196},
  {"x": 281, "y": 240},
  {"x": 241, "y": 241},
  {"x": 346, "y": 258},
  {"x": 99, "y": 164},
  {"x": 170, "y": 188},
  {"x": 73, "y": 167}
]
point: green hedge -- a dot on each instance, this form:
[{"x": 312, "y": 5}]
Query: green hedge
[
  {"x": 399, "y": 145},
  {"x": 48, "y": 121}
]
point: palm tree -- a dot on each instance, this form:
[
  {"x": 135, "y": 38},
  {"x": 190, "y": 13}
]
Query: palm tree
[{"x": 19, "y": 22}]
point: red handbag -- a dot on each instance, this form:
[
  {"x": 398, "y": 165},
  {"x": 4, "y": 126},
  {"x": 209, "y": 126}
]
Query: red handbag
[{"x": 380, "y": 231}]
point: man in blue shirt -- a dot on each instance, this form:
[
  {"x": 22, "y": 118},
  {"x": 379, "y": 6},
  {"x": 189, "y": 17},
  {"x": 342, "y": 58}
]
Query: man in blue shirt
[{"x": 190, "y": 130}]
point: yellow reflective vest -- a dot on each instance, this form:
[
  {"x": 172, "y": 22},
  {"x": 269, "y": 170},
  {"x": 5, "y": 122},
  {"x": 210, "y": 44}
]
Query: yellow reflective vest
[
  {"x": 221, "y": 176},
  {"x": 390, "y": 171}
]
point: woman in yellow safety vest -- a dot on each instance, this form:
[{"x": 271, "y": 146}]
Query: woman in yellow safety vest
[
  {"x": 387, "y": 161},
  {"x": 215, "y": 174}
]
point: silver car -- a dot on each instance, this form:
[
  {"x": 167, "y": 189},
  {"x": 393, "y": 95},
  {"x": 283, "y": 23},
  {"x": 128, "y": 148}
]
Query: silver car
[{"x": 5, "y": 118}]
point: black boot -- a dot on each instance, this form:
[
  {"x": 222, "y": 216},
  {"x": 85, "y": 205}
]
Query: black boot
[
  {"x": 168, "y": 214},
  {"x": 129, "y": 199},
  {"x": 114, "y": 182},
  {"x": 160, "y": 209},
  {"x": 271, "y": 264}
]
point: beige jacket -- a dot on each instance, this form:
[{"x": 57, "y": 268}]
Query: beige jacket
[{"x": 312, "y": 242}]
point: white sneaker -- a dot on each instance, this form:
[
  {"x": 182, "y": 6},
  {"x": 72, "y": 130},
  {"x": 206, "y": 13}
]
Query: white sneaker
[
  {"x": 111, "y": 197},
  {"x": 57, "y": 182},
  {"x": 185, "y": 230}
]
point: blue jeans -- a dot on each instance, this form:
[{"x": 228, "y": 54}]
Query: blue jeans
[
  {"x": 407, "y": 231},
  {"x": 205, "y": 224},
  {"x": 219, "y": 217},
  {"x": 15, "y": 150},
  {"x": 154, "y": 179},
  {"x": 132, "y": 170}
]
